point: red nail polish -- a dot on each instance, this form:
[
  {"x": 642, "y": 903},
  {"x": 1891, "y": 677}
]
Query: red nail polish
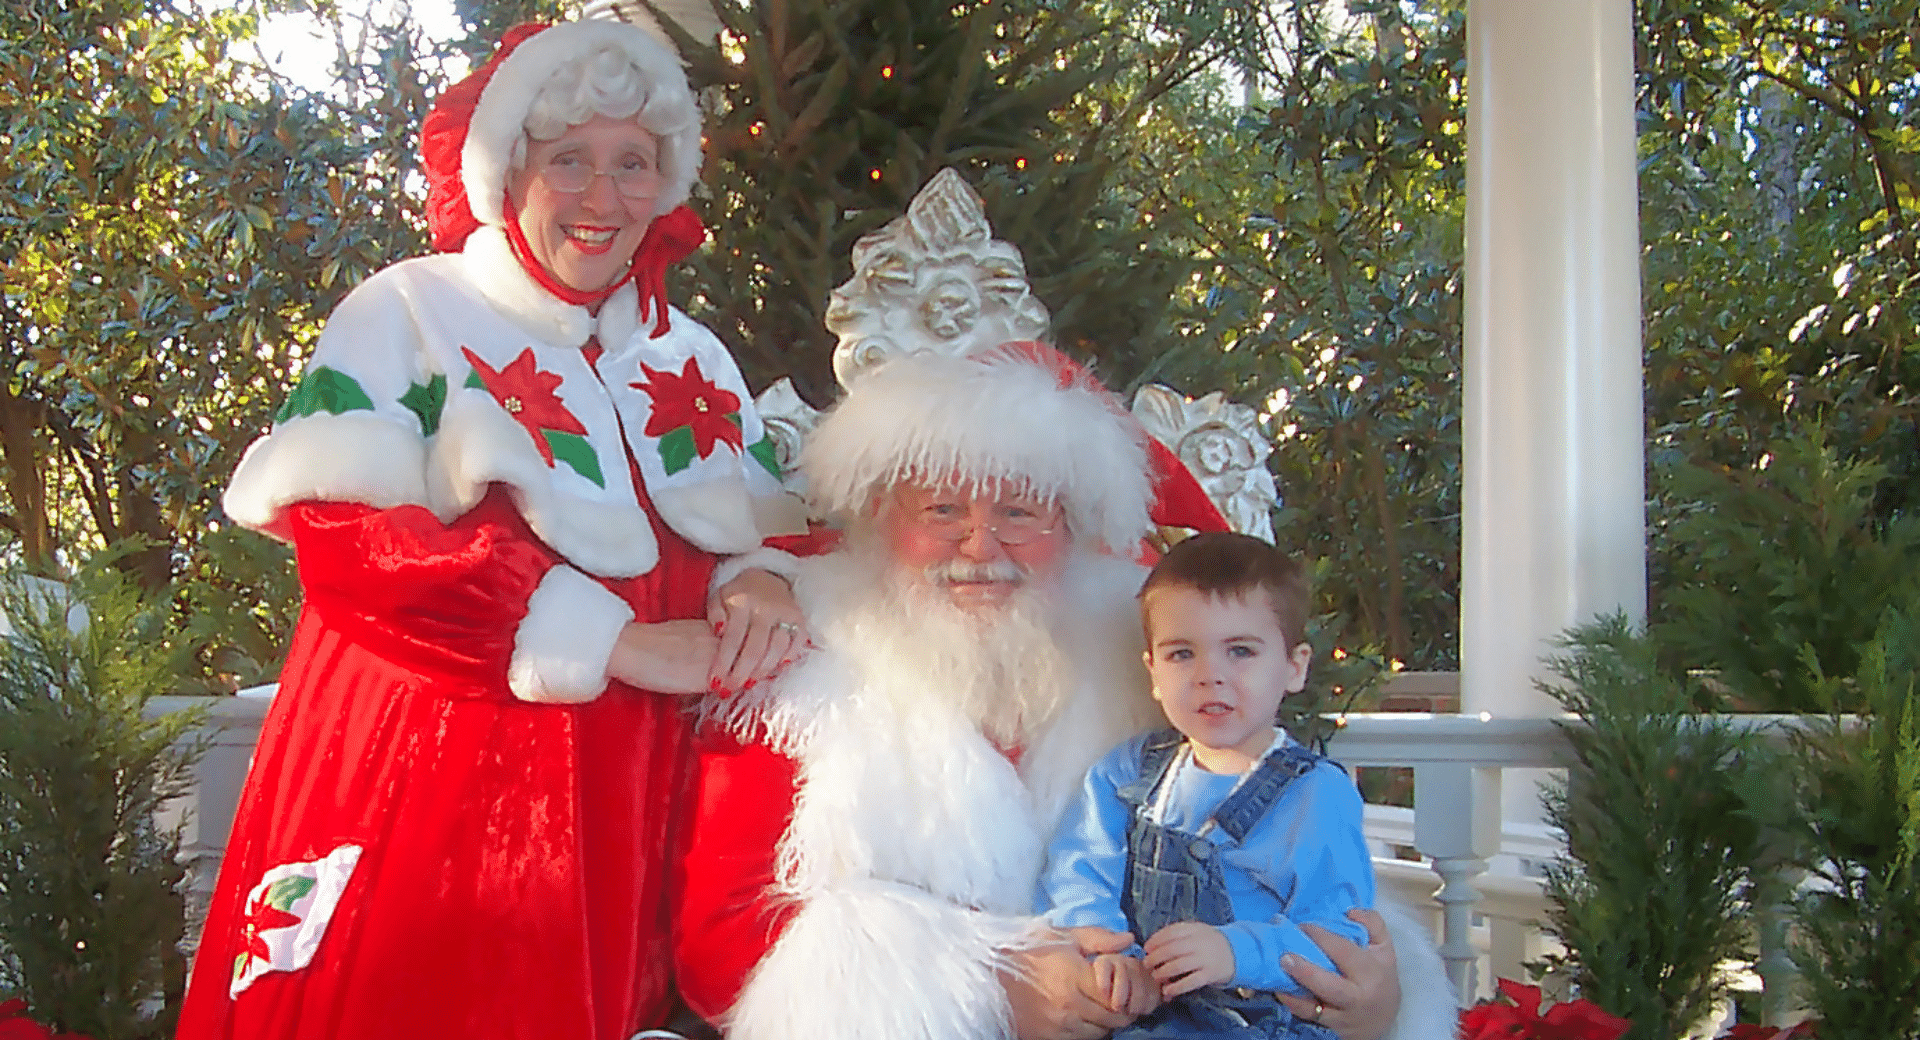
[
  {"x": 713, "y": 685},
  {"x": 748, "y": 685},
  {"x": 717, "y": 626}
]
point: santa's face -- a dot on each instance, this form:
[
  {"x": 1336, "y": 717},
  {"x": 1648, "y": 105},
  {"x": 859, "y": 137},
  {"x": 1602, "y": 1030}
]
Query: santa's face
[
  {"x": 585, "y": 198},
  {"x": 976, "y": 547},
  {"x": 1220, "y": 667}
]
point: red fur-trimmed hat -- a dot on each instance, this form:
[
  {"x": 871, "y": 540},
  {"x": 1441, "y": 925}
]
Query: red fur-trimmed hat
[
  {"x": 467, "y": 141},
  {"x": 1022, "y": 413}
]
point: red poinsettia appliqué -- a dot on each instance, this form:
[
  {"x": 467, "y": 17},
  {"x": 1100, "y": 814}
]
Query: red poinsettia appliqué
[
  {"x": 691, "y": 403},
  {"x": 262, "y": 916},
  {"x": 526, "y": 393},
  {"x": 1522, "y": 1020}
]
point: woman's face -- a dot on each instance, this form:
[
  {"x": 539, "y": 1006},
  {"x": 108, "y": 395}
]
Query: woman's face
[{"x": 586, "y": 238}]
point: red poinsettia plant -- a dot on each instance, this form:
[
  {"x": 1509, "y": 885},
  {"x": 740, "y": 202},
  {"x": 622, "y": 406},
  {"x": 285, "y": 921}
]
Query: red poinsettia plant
[
  {"x": 1519, "y": 1018},
  {"x": 15, "y": 1025}
]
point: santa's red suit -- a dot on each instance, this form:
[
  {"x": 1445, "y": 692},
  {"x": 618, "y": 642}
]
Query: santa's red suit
[{"x": 454, "y": 825}]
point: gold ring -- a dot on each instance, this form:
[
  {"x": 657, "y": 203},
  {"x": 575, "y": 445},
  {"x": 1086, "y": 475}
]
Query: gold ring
[{"x": 1319, "y": 1010}]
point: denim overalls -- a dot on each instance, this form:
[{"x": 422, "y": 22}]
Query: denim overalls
[{"x": 1174, "y": 875}]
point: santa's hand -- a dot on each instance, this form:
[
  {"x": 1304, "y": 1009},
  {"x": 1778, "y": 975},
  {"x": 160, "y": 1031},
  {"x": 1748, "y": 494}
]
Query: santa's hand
[
  {"x": 1053, "y": 995},
  {"x": 760, "y": 628},
  {"x": 1360, "y": 1002}
]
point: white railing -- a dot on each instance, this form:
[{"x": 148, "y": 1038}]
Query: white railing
[{"x": 1475, "y": 874}]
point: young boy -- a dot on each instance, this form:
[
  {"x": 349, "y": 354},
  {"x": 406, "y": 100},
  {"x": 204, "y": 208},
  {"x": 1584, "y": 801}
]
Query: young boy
[{"x": 1217, "y": 839}]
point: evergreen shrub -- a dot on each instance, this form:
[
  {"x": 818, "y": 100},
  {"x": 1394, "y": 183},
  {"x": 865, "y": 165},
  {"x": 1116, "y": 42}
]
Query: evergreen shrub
[
  {"x": 90, "y": 901},
  {"x": 1662, "y": 840},
  {"x": 1857, "y": 923}
]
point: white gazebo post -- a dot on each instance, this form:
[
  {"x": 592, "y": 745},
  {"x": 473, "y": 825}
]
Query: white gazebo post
[{"x": 1554, "y": 527}]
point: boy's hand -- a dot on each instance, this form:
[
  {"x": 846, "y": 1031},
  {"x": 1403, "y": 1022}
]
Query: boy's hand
[
  {"x": 1187, "y": 955},
  {"x": 1128, "y": 988}
]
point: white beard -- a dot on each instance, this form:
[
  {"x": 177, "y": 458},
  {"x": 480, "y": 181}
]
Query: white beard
[{"x": 1003, "y": 667}]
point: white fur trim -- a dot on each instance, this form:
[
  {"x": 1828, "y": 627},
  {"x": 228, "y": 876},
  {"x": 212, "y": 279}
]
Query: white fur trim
[
  {"x": 1428, "y": 1008},
  {"x": 876, "y": 960},
  {"x": 354, "y": 457},
  {"x": 479, "y": 444},
  {"x": 488, "y": 264},
  {"x": 716, "y": 515},
  {"x": 938, "y": 419},
  {"x": 561, "y": 649},
  {"x": 773, "y": 561},
  {"x": 499, "y": 117}
]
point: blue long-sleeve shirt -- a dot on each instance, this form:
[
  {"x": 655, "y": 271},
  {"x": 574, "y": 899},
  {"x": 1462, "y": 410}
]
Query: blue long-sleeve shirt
[{"x": 1305, "y": 862}]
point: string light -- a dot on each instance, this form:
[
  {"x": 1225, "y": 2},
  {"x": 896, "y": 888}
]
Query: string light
[
  {"x": 886, "y": 72},
  {"x": 875, "y": 174},
  {"x": 1020, "y": 163}
]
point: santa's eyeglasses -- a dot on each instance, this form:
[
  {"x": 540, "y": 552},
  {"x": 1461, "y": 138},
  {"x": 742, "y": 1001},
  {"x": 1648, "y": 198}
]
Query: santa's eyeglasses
[{"x": 1011, "y": 522}]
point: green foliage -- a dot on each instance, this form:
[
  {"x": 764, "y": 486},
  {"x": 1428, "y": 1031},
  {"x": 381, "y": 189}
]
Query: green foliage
[
  {"x": 90, "y": 910},
  {"x": 1779, "y": 145},
  {"x": 1328, "y": 220},
  {"x": 1662, "y": 842},
  {"x": 829, "y": 119},
  {"x": 1858, "y": 924},
  {"x": 1764, "y": 567}
]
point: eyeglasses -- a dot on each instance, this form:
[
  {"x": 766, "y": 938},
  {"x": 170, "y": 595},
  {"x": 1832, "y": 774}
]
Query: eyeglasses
[
  {"x": 1009, "y": 522},
  {"x": 634, "y": 178}
]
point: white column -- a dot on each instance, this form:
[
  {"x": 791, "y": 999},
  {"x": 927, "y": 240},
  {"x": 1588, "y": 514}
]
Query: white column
[{"x": 1554, "y": 528}]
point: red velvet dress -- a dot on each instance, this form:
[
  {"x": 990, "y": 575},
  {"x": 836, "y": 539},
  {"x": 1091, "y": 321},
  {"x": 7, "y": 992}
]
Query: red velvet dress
[{"x": 512, "y": 883}]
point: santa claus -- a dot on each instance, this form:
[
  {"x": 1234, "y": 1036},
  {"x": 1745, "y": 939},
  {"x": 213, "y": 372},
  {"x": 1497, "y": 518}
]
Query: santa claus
[{"x": 868, "y": 829}]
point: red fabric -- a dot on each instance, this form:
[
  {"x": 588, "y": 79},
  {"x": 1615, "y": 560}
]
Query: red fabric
[
  {"x": 671, "y": 238},
  {"x": 723, "y": 920},
  {"x": 444, "y": 133},
  {"x": 514, "y": 883}
]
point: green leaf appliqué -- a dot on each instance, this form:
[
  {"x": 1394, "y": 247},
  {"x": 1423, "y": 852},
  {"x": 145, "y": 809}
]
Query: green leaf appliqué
[
  {"x": 677, "y": 449},
  {"x": 326, "y": 390},
  {"x": 576, "y": 452},
  {"x": 427, "y": 402}
]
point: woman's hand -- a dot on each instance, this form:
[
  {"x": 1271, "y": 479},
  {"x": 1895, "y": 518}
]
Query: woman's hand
[
  {"x": 667, "y": 656},
  {"x": 1360, "y": 1002},
  {"x": 760, "y": 629}
]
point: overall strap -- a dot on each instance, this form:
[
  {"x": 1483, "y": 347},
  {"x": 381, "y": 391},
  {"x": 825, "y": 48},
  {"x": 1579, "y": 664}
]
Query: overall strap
[
  {"x": 1157, "y": 756},
  {"x": 1249, "y": 802}
]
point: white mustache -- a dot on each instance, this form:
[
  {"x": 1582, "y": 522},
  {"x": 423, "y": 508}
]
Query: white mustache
[{"x": 958, "y": 572}]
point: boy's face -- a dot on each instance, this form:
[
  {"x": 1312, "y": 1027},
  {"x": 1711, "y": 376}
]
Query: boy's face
[{"x": 1220, "y": 668}]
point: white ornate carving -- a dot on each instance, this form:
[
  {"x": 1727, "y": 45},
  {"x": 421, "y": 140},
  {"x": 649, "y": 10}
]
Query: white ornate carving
[
  {"x": 933, "y": 280},
  {"x": 789, "y": 420},
  {"x": 1224, "y": 446}
]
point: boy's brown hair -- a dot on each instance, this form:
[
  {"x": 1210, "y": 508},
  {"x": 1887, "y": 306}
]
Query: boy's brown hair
[{"x": 1225, "y": 565}]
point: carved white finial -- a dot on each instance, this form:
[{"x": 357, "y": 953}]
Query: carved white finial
[
  {"x": 1225, "y": 448},
  {"x": 789, "y": 420},
  {"x": 933, "y": 280}
]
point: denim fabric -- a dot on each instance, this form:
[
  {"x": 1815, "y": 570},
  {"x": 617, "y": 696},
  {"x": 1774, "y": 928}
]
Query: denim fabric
[{"x": 1175, "y": 875}]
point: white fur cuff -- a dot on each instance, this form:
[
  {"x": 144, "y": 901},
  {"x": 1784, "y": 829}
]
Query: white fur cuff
[
  {"x": 920, "y": 966},
  {"x": 356, "y": 457},
  {"x": 560, "y": 652},
  {"x": 773, "y": 561}
]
